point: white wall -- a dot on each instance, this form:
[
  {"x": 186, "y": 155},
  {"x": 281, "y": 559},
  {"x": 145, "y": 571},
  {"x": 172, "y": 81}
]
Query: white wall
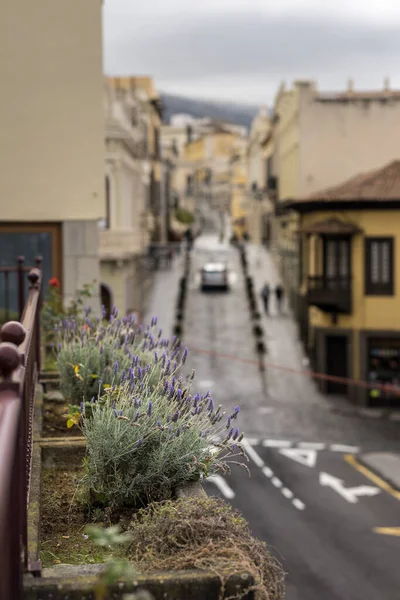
[{"x": 51, "y": 111}]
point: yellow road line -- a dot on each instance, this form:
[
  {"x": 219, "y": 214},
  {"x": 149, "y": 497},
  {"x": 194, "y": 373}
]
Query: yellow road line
[
  {"x": 388, "y": 530},
  {"x": 384, "y": 485}
]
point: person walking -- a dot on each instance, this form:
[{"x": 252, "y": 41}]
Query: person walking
[
  {"x": 265, "y": 297},
  {"x": 279, "y": 296}
]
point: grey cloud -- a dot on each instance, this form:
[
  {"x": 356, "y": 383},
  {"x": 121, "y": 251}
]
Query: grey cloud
[{"x": 208, "y": 46}]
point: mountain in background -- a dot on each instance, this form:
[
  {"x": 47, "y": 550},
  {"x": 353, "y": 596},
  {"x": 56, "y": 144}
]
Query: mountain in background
[{"x": 239, "y": 114}]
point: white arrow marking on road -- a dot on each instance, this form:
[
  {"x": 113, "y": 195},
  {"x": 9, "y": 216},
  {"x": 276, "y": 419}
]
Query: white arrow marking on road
[
  {"x": 308, "y": 458},
  {"x": 277, "y": 443},
  {"x": 222, "y": 486},
  {"x": 349, "y": 494}
]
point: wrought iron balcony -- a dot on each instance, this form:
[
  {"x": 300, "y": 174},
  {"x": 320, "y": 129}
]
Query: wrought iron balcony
[{"x": 330, "y": 294}]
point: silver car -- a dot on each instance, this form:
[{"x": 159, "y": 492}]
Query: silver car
[{"x": 214, "y": 276}]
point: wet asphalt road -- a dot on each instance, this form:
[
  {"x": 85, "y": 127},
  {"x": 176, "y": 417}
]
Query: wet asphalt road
[{"x": 305, "y": 498}]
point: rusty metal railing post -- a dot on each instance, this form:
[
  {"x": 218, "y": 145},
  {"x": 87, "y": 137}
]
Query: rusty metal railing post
[
  {"x": 34, "y": 277},
  {"x": 21, "y": 285},
  {"x": 13, "y": 492}
]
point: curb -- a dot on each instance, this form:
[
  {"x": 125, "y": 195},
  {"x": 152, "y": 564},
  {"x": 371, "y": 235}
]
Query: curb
[{"x": 376, "y": 473}]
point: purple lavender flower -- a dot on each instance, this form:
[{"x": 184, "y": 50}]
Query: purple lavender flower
[
  {"x": 82, "y": 408},
  {"x": 150, "y": 409},
  {"x": 115, "y": 369},
  {"x": 123, "y": 376},
  {"x": 176, "y": 416},
  {"x": 93, "y": 400},
  {"x": 136, "y": 416},
  {"x": 228, "y": 423},
  {"x": 155, "y": 357},
  {"x": 115, "y": 413},
  {"x": 179, "y": 395},
  {"x": 178, "y": 432},
  {"x": 230, "y": 433},
  {"x": 184, "y": 357},
  {"x": 140, "y": 372},
  {"x": 236, "y": 434},
  {"x": 114, "y": 404},
  {"x": 171, "y": 391},
  {"x": 168, "y": 368},
  {"x": 59, "y": 346},
  {"x": 235, "y": 412},
  {"x": 139, "y": 442},
  {"x": 211, "y": 405}
]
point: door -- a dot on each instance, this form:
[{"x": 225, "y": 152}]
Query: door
[{"x": 336, "y": 362}]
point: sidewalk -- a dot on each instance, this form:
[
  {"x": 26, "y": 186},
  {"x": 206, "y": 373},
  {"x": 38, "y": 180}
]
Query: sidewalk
[
  {"x": 385, "y": 464},
  {"x": 283, "y": 345},
  {"x": 285, "y": 349},
  {"x": 163, "y": 296}
]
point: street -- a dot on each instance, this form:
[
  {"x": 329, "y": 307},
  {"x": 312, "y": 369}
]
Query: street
[{"x": 306, "y": 497}]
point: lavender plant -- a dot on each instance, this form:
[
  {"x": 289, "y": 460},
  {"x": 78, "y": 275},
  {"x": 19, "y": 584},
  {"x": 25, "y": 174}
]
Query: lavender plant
[
  {"x": 93, "y": 354},
  {"x": 143, "y": 441}
]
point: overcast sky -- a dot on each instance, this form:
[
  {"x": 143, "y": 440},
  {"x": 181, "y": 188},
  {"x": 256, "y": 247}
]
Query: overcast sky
[{"x": 241, "y": 50}]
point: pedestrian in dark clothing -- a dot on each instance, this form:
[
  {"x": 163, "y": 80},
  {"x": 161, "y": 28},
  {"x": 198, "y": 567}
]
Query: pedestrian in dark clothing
[
  {"x": 189, "y": 238},
  {"x": 279, "y": 296},
  {"x": 265, "y": 297}
]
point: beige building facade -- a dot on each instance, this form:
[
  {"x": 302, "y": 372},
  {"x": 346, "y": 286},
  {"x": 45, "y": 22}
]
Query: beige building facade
[
  {"x": 321, "y": 139},
  {"x": 127, "y": 228},
  {"x": 52, "y": 152}
]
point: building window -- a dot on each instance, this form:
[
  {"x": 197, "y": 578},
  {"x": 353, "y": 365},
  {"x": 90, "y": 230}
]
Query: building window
[{"x": 379, "y": 266}]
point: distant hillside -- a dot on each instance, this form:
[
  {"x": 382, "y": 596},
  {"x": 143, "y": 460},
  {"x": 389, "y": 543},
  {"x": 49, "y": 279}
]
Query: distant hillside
[{"x": 240, "y": 114}]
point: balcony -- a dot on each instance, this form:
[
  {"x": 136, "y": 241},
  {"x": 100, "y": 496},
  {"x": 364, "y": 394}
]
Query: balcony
[
  {"x": 120, "y": 245},
  {"x": 330, "y": 294}
]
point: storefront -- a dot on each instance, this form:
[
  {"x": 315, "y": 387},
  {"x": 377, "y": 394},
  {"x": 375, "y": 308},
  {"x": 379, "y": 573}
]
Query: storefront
[{"x": 383, "y": 367}]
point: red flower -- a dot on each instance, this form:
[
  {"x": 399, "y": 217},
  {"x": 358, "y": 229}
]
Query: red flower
[{"x": 54, "y": 282}]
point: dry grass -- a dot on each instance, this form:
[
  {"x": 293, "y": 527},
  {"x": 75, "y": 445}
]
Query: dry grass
[{"x": 203, "y": 534}]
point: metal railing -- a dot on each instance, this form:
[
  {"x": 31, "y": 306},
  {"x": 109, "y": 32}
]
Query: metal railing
[
  {"x": 6, "y": 273},
  {"x": 327, "y": 282},
  {"x": 19, "y": 368}
]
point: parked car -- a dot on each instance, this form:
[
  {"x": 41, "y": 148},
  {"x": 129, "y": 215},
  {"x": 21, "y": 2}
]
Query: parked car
[{"x": 214, "y": 276}]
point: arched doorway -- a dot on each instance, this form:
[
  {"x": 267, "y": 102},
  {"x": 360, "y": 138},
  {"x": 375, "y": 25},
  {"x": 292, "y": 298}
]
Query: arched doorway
[{"x": 106, "y": 300}]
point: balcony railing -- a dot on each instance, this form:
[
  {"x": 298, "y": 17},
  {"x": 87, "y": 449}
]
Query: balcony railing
[
  {"x": 330, "y": 293},
  {"x": 19, "y": 368}
]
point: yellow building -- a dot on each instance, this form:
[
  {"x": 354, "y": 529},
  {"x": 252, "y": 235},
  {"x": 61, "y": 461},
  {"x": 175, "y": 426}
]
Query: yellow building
[
  {"x": 207, "y": 161},
  {"x": 350, "y": 274},
  {"x": 239, "y": 198}
]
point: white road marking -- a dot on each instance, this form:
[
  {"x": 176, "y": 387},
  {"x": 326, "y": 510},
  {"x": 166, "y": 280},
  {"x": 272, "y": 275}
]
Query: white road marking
[
  {"x": 265, "y": 410},
  {"x": 267, "y": 471},
  {"x": 298, "y": 504},
  {"x": 349, "y": 494},
  {"x": 287, "y": 493},
  {"x": 276, "y": 482},
  {"x": 222, "y": 486},
  {"x": 277, "y": 443},
  {"x": 251, "y": 441},
  {"x": 256, "y": 458},
  {"x": 344, "y": 448},
  {"x": 312, "y": 445},
  {"x": 308, "y": 458},
  {"x": 206, "y": 383}
]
